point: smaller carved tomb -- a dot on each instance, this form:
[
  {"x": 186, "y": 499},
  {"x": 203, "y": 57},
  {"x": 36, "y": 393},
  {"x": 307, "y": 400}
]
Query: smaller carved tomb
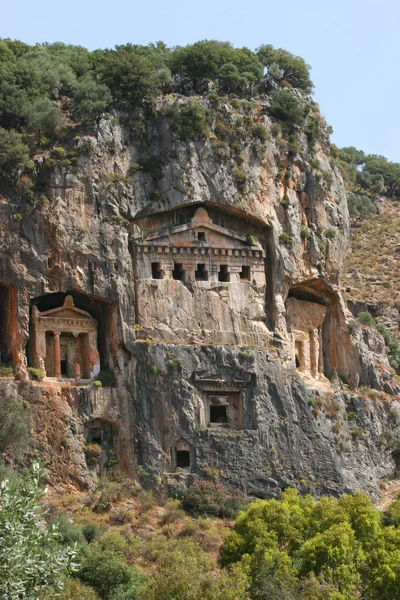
[
  {"x": 102, "y": 433},
  {"x": 181, "y": 455},
  {"x": 225, "y": 404},
  {"x": 199, "y": 250},
  {"x": 65, "y": 341},
  {"x": 305, "y": 319}
]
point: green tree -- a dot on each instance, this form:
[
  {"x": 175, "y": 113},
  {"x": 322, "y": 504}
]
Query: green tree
[
  {"x": 343, "y": 543},
  {"x": 295, "y": 71},
  {"x": 14, "y": 155},
  {"x": 286, "y": 107},
  {"x": 185, "y": 573},
  {"x": 44, "y": 119},
  {"x": 187, "y": 120},
  {"x": 360, "y": 207},
  {"x": 89, "y": 98},
  {"x": 31, "y": 558},
  {"x": 131, "y": 77},
  {"x": 103, "y": 569}
]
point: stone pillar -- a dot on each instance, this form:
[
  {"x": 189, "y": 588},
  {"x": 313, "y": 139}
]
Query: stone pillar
[
  {"x": 314, "y": 352},
  {"x": 57, "y": 356}
]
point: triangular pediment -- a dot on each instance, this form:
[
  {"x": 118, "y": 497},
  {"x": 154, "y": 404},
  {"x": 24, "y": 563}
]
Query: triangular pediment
[
  {"x": 67, "y": 311},
  {"x": 182, "y": 235}
]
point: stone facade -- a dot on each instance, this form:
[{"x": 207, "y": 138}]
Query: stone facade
[
  {"x": 204, "y": 364},
  {"x": 200, "y": 251},
  {"x": 305, "y": 321},
  {"x": 65, "y": 341},
  {"x": 201, "y": 279}
]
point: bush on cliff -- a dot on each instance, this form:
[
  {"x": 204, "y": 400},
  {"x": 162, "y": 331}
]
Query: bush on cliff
[
  {"x": 14, "y": 428},
  {"x": 212, "y": 499}
]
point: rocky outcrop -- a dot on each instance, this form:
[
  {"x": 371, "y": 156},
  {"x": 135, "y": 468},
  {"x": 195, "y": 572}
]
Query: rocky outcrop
[{"x": 204, "y": 362}]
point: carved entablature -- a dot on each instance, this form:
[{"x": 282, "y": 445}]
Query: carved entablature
[
  {"x": 200, "y": 251},
  {"x": 65, "y": 341}
]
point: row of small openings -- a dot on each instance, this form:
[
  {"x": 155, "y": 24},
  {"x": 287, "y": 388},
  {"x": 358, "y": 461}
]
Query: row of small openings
[{"x": 200, "y": 274}]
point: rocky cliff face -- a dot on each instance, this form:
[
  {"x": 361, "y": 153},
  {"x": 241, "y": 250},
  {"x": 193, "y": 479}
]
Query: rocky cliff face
[{"x": 192, "y": 314}]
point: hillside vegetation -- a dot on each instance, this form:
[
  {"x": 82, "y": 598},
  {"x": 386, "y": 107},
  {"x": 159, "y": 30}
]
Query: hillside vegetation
[{"x": 51, "y": 93}]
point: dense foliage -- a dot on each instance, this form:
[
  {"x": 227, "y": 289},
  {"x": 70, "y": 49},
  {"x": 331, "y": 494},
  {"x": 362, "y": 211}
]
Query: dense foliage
[
  {"x": 31, "y": 557},
  {"x": 366, "y": 177},
  {"x": 211, "y": 498},
  {"x": 340, "y": 549},
  {"x": 51, "y": 93}
]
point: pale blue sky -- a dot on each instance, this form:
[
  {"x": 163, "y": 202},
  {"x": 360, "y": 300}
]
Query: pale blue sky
[{"x": 353, "y": 46}]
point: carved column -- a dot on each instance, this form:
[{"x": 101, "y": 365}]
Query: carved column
[{"x": 57, "y": 355}]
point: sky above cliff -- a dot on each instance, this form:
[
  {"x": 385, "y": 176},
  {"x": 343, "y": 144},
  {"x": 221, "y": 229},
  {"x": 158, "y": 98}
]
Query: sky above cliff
[{"x": 353, "y": 46}]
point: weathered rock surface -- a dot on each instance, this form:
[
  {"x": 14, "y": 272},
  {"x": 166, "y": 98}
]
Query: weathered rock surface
[{"x": 174, "y": 346}]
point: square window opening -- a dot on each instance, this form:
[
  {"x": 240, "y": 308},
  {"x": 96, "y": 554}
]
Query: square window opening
[
  {"x": 95, "y": 436},
  {"x": 245, "y": 274},
  {"x": 156, "y": 271},
  {"x": 201, "y": 273},
  {"x": 201, "y": 236},
  {"x": 178, "y": 272},
  {"x": 224, "y": 274},
  {"x": 218, "y": 414},
  {"x": 183, "y": 459}
]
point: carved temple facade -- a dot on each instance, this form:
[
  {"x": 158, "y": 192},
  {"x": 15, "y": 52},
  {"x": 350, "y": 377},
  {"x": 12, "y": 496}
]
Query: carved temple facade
[
  {"x": 200, "y": 251},
  {"x": 65, "y": 342},
  {"x": 305, "y": 321}
]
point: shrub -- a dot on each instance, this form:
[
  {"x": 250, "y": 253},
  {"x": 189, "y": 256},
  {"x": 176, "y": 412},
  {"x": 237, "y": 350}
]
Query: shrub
[
  {"x": 187, "y": 120},
  {"x": 36, "y": 373},
  {"x": 259, "y": 131},
  {"x": 286, "y": 240},
  {"x": 107, "y": 378},
  {"x": 240, "y": 177},
  {"x": 185, "y": 572},
  {"x": 14, "y": 427},
  {"x": 330, "y": 233},
  {"x": 304, "y": 233},
  {"x": 286, "y": 107},
  {"x": 251, "y": 240},
  {"x": 394, "y": 513},
  {"x": 14, "y": 155},
  {"x": 90, "y": 532},
  {"x": 74, "y": 590},
  {"x": 70, "y": 533},
  {"x": 365, "y": 318},
  {"x": 6, "y": 371},
  {"x": 211, "y": 473},
  {"x": 93, "y": 453},
  {"x": 342, "y": 542},
  {"x": 214, "y": 499},
  {"x": 103, "y": 569}
]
